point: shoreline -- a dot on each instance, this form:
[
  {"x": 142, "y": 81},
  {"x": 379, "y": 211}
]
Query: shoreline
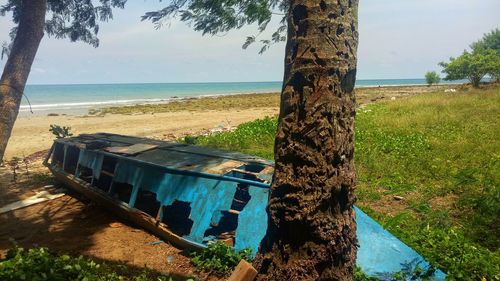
[
  {"x": 84, "y": 107},
  {"x": 250, "y": 100},
  {"x": 91, "y": 108},
  {"x": 170, "y": 121}
]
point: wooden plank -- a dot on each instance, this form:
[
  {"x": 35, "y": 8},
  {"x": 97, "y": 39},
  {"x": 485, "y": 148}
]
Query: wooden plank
[
  {"x": 243, "y": 272},
  {"x": 131, "y": 150},
  {"x": 38, "y": 198},
  {"x": 224, "y": 167}
]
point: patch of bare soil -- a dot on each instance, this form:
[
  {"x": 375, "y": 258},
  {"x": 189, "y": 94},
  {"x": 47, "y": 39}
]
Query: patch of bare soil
[
  {"x": 445, "y": 202},
  {"x": 388, "y": 204},
  {"x": 369, "y": 95}
]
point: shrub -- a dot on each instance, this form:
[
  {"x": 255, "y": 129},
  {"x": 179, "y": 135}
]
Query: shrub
[
  {"x": 60, "y": 132},
  {"x": 220, "y": 257},
  {"x": 432, "y": 78},
  {"x": 256, "y": 137},
  {"x": 39, "y": 264}
]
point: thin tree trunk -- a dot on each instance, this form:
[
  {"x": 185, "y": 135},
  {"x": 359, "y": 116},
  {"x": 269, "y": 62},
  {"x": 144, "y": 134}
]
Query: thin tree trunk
[
  {"x": 475, "y": 81},
  {"x": 18, "y": 66},
  {"x": 312, "y": 230}
]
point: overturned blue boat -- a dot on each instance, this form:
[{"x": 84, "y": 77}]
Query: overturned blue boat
[{"x": 191, "y": 195}]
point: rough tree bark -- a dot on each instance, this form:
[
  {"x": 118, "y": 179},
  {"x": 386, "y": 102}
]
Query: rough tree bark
[
  {"x": 312, "y": 230},
  {"x": 18, "y": 65}
]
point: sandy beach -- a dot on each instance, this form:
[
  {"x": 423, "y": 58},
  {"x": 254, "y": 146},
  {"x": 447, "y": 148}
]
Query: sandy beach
[
  {"x": 173, "y": 120},
  {"x": 32, "y": 134}
]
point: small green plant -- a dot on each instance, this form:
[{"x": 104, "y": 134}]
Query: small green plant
[
  {"x": 42, "y": 178},
  {"x": 60, "y": 132},
  {"x": 409, "y": 272},
  {"x": 40, "y": 264},
  {"x": 14, "y": 165},
  {"x": 189, "y": 140},
  {"x": 220, "y": 257},
  {"x": 361, "y": 276}
]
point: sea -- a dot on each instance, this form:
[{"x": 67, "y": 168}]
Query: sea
[{"x": 77, "y": 99}]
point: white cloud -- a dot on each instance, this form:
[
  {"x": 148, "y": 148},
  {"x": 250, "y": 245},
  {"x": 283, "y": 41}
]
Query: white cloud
[
  {"x": 38, "y": 70},
  {"x": 398, "y": 39}
]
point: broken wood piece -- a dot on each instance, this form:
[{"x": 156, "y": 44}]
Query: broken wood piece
[
  {"x": 132, "y": 149},
  {"x": 243, "y": 272},
  {"x": 35, "y": 199}
]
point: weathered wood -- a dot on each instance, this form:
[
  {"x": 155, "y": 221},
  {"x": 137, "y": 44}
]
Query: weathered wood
[
  {"x": 132, "y": 149},
  {"x": 243, "y": 272}
]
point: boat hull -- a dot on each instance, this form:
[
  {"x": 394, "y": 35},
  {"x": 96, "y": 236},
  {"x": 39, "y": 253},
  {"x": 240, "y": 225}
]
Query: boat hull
[{"x": 190, "y": 195}]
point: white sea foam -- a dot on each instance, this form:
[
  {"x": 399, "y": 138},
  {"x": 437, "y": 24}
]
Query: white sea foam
[
  {"x": 126, "y": 102},
  {"x": 77, "y": 98},
  {"x": 89, "y": 104}
]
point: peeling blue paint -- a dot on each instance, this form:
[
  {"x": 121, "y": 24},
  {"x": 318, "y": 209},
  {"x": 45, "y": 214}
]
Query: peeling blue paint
[
  {"x": 208, "y": 199},
  {"x": 252, "y": 221},
  {"x": 91, "y": 160}
]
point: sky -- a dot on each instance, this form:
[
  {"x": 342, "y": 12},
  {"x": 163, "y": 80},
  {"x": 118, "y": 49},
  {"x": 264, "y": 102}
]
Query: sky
[{"x": 399, "y": 39}]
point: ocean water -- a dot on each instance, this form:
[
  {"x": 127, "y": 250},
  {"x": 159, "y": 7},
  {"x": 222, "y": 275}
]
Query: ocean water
[{"x": 79, "y": 98}]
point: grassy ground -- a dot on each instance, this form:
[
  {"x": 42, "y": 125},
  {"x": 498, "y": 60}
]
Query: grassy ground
[
  {"x": 441, "y": 153},
  {"x": 40, "y": 264}
]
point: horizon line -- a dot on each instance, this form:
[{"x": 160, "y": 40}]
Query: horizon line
[{"x": 199, "y": 82}]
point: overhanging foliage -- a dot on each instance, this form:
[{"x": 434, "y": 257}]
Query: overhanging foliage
[
  {"x": 77, "y": 20},
  {"x": 214, "y": 17}
]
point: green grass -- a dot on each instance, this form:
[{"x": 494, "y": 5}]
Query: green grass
[
  {"x": 441, "y": 152},
  {"x": 220, "y": 258},
  {"x": 255, "y": 138},
  {"x": 39, "y": 264}
]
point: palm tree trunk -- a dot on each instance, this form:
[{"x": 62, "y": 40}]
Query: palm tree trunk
[
  {"x": 18, "y": 66},
  {"x": 312, "y": 231}
]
